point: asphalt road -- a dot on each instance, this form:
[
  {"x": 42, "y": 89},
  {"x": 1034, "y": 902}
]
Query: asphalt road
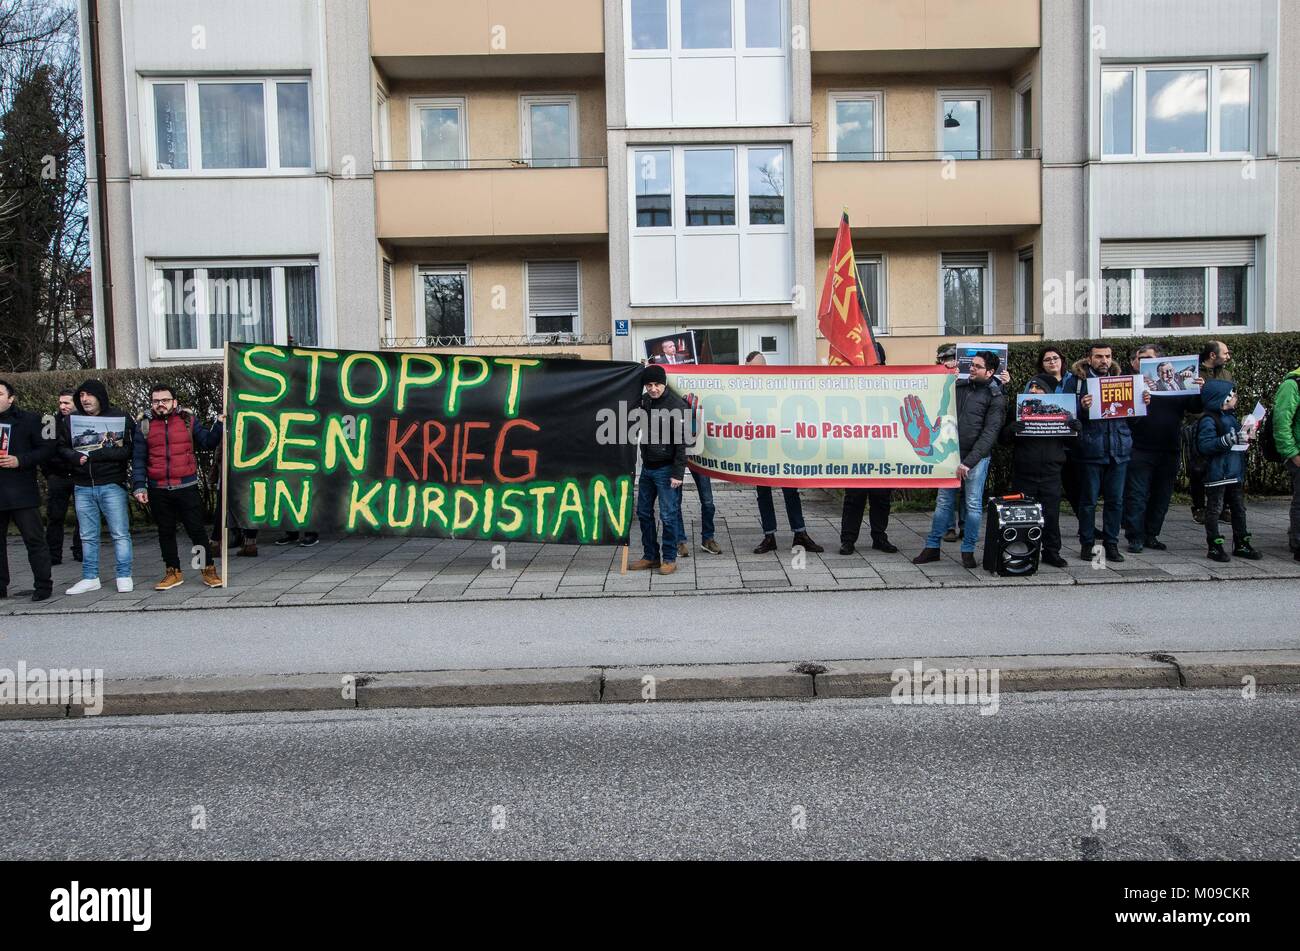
[
  {"x": 657, "y": 630},
  {"x": 1180, "y": 775}
]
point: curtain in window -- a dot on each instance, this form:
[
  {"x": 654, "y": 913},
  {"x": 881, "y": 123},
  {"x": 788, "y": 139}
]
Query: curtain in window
[
  {"x": 293, "y": 125},
  {"x": 300, "y": 302},
  {"x": 1232, "y": 297},
  {"x": 179, "y": 309},
  {"x": 232, "y": 125},
  {"x": 1175, "y": 297},
  {"x": 240, "y": 305},
  {"x": 169, "y": 126}
]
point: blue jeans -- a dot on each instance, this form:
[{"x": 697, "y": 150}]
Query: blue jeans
[
  {"x": 704, "y": 486},
  {"x": 945, "y": 507},
  {"x": 109, "y": 501},
  {"x": 1148, "y": 487},
  {"x": 657, "y": 483},
  {"x": 767, "y": 511},
  {"x": 1095, "y": 478}
]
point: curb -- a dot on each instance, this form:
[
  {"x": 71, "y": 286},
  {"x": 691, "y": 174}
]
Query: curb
[{"x": 875, "y": 677}]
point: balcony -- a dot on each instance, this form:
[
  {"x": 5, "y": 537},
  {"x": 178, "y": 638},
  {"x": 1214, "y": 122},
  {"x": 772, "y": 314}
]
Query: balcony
[
  {"x": 418, "y": 39},
  {"x": 916, "y": 36},
  {"x": 922, "y": 194},
  {"x": 491, "y": 201}
]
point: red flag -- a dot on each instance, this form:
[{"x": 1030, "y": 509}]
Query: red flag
[{"x": 842, "y": 317}]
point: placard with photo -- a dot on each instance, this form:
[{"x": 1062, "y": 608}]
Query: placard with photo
[
  {"x": 966, "y": 353},
  {"x": 91, "y": 433},
  {"x": 673, "y": 348},
  {"x": 1171, "y": 376}
]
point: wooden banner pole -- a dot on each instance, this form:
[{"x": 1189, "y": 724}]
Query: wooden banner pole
[{"x": 623, "y": 570}]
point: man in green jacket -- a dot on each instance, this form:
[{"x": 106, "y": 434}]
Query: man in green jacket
[{"x": 1286, "y": 436}]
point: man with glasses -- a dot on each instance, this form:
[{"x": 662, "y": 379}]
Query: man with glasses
[{"x": 165, "y": 476}]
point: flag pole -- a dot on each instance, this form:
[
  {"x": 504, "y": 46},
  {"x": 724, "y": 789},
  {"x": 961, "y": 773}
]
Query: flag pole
[{"x": 225, "y": 465}]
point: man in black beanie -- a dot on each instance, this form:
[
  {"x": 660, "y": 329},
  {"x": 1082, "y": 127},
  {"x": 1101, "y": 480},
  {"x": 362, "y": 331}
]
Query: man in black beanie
[{"x": 663, "y": 466}]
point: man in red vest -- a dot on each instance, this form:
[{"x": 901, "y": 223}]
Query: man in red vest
[{"x": 165, "y": 476}]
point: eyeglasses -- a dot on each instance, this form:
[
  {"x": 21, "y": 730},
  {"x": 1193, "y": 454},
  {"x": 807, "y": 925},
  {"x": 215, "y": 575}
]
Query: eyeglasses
[{"x": 163, "y": 402}]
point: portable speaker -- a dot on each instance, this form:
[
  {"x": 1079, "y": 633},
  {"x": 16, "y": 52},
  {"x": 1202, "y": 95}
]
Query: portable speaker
[{"x": 1013, "y": 539}]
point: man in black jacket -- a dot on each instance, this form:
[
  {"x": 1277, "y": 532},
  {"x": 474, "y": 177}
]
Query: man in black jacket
[
  {"x": 22, "y": 450},
  {"x": 1157, "y": 455},
  {"x": 99, "y": 469},
  {"x": 663, "y": 467},
  {"x": 980, "y": 411},
  {"x": 1036, "y": 466},
  {"x": 58, "y": 495}
]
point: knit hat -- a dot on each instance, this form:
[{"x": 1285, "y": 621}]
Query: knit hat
[
  {"x": 1046, "y": 381},
  {"x": 654, "y": 373}
]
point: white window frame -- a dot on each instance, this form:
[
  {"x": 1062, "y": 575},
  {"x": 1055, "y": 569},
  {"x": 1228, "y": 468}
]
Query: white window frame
[
  {"x": 1139, "y": 130},
  {"x": 1023, "y": 149},
  {"x": 1024, "y": 305},
  {"x": 526, "y": 102},
  {"x": 740, "y": 157},
  {"x": 1210, "y": 306},
  {"x": 416, "y": 144},
  {"x": 193, "y": 127},
  {"x": 383, "y": 144},
  {"x": 986, "y": 117},
  {"x": 279, "y": 310},
  {"x": 877, "y": 98},
  {"x": 421, "y": 327},
  {"x": 989, "y": 289},
  {"x": 528, "y": 309},
  {"x": 881, "y": 328}
]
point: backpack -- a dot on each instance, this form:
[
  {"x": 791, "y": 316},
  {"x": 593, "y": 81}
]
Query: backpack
[
  {"x": 1196, "y": 463},
  {"x": 1267, "y": 444}
]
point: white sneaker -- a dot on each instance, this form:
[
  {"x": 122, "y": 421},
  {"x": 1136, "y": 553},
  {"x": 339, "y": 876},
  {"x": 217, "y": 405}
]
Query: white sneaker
[
  {"x": 84, "y": 585},
  {"x": 125, "y": 584}
]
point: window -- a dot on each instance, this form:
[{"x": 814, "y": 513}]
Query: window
[
  {"x": 1177, "y": 110},
  {"x": 706, "y": 24},
  {"x": 649, "y": 24},
  {"x": 382, "y": 150},
  {"x": 964, "y": 119},
  {"x": 871, "y": 278},
  {"x": 709, "y": 197},
  {"x": 235, "y": 126},
  {"x": 1191, "y": 286},
  {"x": 550, "y": 130},
  {"x": 763, "y": 29},
  {"x": 1025, "y": 292},
  {"x": 652, "y": 178},
  {"x": 857, "y": 126},
  {"x": 965, "y": 295},
  {"x": 1024, "y": 126},
  {"x": 386, "y": 301},
  {"x": 710, "y": 187},
  {"x": 438, "y": 132},
  {"x": 197, "y": 307},
  {"x": 766, "y": 186},
  {"x": 443, "y": 311},
  {"x": 554, "y": 295}
]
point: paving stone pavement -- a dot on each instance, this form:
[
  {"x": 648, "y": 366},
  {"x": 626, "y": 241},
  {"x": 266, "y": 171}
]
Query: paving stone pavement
[{"x": 351, "y": 570}]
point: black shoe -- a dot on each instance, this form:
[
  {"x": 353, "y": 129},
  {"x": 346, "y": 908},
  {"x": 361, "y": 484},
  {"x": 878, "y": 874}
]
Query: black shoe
[
  {"x": 4, "y": 592},
  {"x": 1112, "y": 552},
  {"x": 56, "y": 561},
  {"x": 42, "y": 594},
  {"x": 968, "y": 559},
  {"x": 1216, "y": 552},
  {"x": 767, "y": 544},
  {"x": 847, "y": 548},
  {"x": 927, "y": 556},
  {"x": 1085, "y": 552},
  {"x": 1136, "y": 547},
  {"x": 803, "y": 539},
  {"x": 1054, "y": 559},
  {"x": 1156, "y": 544},
  {"x": 1198, "y": 516},
  {"x": 885, "y": 545},
  {"x": 76, "y": 556},
  {"x": 288, "y": 538},
  {"x": 308, "y": 540},
  {"x": 1244, "y": 549}
]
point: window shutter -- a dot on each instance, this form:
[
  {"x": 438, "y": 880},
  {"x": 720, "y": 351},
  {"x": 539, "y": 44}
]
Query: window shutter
[
  {"x": 966, "y": 259},
  {"x": 1227, "y": 252},
  {"x": 553, "y": 289},
  {"x": 388, "y": 299}
]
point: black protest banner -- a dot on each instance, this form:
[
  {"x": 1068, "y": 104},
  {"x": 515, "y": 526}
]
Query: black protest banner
[{"x": 446, "y": 445}]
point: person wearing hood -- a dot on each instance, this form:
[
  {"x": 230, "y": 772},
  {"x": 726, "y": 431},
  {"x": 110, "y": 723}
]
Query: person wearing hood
[
  {"x": 1102, "y": 454},
  {"x": 23, "y": 449},
  {"x": 1036, "y": 465},
  {"x": 100, "y": 476},
  {"x": 1218, "y": 436},
  {"x": 1215, "y": 357},
  {"x": 663, "y": 467}
]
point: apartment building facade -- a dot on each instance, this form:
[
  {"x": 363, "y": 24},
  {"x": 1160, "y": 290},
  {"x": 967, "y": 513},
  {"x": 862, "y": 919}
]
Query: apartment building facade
[{"x": 581, "y": 176}]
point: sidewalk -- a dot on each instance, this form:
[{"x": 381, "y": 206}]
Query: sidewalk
[{"x": 358, "y": 570}]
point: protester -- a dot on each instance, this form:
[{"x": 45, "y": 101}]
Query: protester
[
  {"x": 704, "y": 487},
  {"x": 101, "y": 478},
  {"x": 1216, "y": 436},
  {"x": 165, "y": 477},
  {"x": 1215, "y": 357},
  {"x": 1036, "y": 465},
  {"x": 1286, "y": 437},
  {"x": 1102, "y": 454},
  {"x": 663, "y": 467},
  {"x": 1051, "y": 363},
  {"x": 879, "y": 502},
  {"x": 24, "y": 450},
  {"x": 980, "y": 411},
  {"x": 793, "y": 504},
  {"x": 946, "y": 356},
  {"x": 1153, "y": 467},
  {"x": 303, "y": 539},
  {"x": 58, "y": 495}
]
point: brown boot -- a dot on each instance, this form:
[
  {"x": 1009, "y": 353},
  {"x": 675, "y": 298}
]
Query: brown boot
[
  {"x": 927, "y": 555},
  {"x": 171, "y": 579},
  {"x": 683, "y": 550},
  {"x": 668, "y": 567},
  {"x": 767, "y": 544},
  {"x": 247, "y": 550},
  {"x": 803, "y": 538},
  {"x": 211, "y": 577},
  {"x": 644, "y": 564}
]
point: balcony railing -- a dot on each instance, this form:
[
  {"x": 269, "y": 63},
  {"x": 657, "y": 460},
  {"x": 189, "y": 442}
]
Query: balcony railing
[
  {"x": 394, "y": 165},
  {"x": 905, "y": 155},
  {"x": 503, "y": 340}
]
